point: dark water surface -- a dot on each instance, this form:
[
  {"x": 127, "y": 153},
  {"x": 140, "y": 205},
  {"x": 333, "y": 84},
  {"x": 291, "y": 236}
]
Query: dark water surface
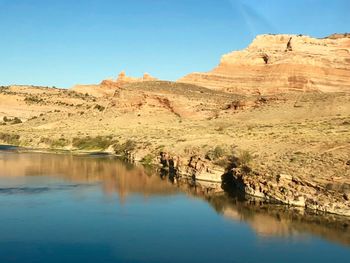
[{"x": 61, "y": 208}]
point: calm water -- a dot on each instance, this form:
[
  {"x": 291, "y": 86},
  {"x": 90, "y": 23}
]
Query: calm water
[{"x": 60, "y": 208}]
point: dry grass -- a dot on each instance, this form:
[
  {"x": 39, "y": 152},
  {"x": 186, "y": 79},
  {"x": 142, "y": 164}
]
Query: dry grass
[{"x": 273, "y": 131}]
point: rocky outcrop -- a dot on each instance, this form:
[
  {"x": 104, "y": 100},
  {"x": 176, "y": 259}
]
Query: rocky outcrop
[
  {"x": 282, "y": 63},
  {"x": 196, "y": 167},
  {"x": 289, "y": 190},
  {"x": 338, "y": 35},
  {"x": 124, "y": 79},
  {"x": 107, "y": 87},
  {"x": 279, "y": 188}
]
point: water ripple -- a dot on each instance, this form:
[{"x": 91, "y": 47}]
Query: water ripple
[{"x": 37, "y": 190}]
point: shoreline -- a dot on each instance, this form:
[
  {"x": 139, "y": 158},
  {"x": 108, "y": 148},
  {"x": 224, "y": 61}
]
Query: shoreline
[{"x": 252, "y": 186}]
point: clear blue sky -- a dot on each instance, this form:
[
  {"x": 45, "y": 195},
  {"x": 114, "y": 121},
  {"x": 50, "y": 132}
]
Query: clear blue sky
[{"x": 64, "y": 42}]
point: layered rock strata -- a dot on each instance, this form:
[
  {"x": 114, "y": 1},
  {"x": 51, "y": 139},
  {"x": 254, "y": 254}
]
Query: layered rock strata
[
  {"x": 282, "y": 63},
  {"x": 289, "y": 190}
]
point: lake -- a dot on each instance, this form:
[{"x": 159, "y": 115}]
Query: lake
[{"x": 65, "y": 208}]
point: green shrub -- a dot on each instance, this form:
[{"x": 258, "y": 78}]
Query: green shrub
[
  {"x": 148, "y": 159},
  {"x": 54, "y": 143},
  {"x": 60, "y": 143},
  {"x": 124, "y": 148},
  {"x": 230, "y": 161},
  {"x": 242, "y": 161},
  {"x": 99, "y": 107},
  {"x": 33, "y": 100},
  {"x": 16, "y": 120},
  {"x": 10, "y": 138},
  {"x": 89, "y": 143},
  {"x": 45, "y": 140},
  {"x": 215, "y": 153},
  {"x": 244, "y": 158}
]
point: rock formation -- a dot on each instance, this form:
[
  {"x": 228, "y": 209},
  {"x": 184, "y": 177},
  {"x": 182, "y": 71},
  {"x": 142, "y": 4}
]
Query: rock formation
[
  {"x": 290, "y": 190},
  {"x": 108, "y": 86},
  {"x": 282, "y": 63},
  {"x": 124, "y": 79}
]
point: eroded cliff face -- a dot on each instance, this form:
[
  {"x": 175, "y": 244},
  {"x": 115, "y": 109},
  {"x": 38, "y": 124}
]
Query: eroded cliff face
[{"x": 282, "y": 63}]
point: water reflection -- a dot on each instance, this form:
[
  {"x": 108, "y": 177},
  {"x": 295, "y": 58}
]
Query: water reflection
[
  {"x": 282, "y": 221},
  {"x": 115, "y": 176},
  {"x": 118, "y": 177}
]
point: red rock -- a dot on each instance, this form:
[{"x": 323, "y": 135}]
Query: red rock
[{"x": 282, "y": 63}]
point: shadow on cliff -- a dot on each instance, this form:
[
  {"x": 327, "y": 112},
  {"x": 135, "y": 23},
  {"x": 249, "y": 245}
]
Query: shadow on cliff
[{"x": 232, "y": 182}]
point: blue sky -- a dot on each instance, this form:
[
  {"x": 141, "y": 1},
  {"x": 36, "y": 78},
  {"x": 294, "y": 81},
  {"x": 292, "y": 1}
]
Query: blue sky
[{"x": 64, "y": 42}]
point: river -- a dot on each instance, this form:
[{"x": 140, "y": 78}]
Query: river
[{"x": 95, "y": 208}]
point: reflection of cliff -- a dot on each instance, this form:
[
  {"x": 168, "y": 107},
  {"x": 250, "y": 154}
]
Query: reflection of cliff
[
  {"x": 269, "y": 220},
  {"x": 273, "y": 220},
  {"x": 263, "y": 225},
  {"x": 114, "y": 175}
]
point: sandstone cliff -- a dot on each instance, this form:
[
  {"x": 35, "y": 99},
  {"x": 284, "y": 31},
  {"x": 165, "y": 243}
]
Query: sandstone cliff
[{"x": 282, "y": 63}]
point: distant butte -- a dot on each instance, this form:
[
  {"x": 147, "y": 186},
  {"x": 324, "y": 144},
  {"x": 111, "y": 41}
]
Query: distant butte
[
  {"x": 108, "y": 86},
  {"x": 124, "y": 79}
]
